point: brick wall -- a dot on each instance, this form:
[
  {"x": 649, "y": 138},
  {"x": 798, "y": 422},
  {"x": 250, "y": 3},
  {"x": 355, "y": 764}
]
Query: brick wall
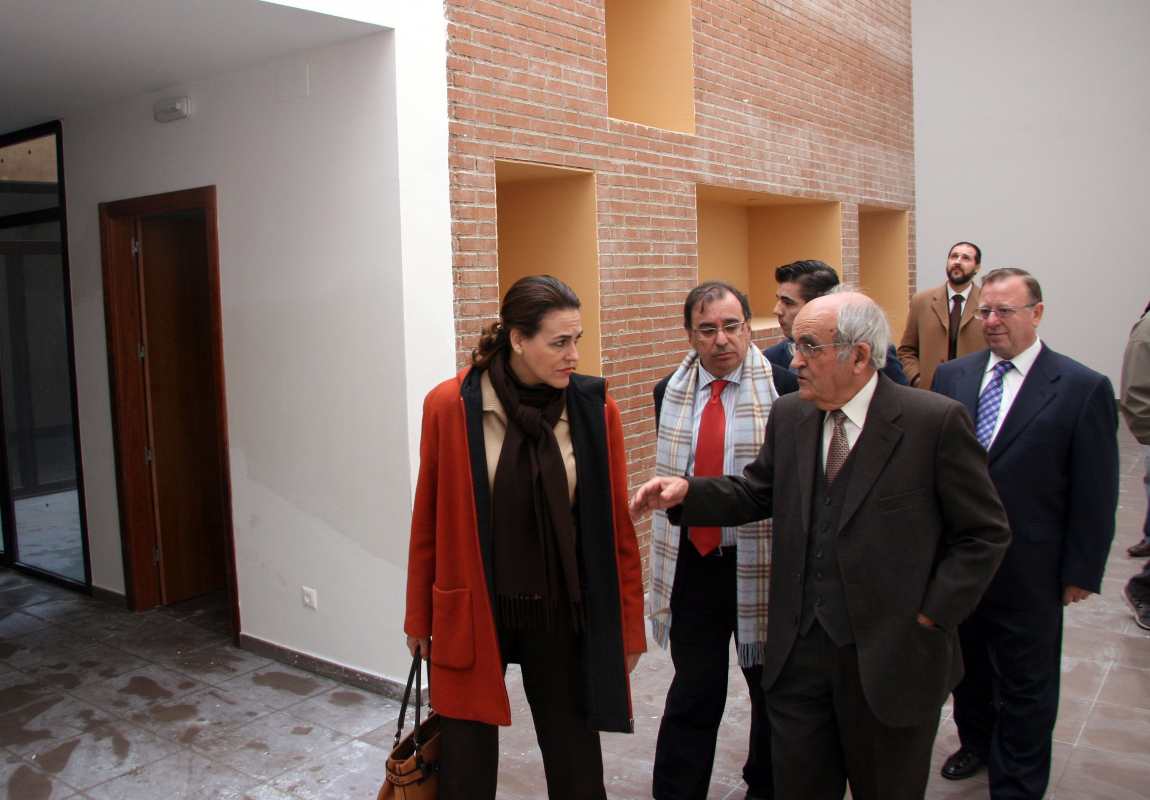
[{"x": 810, "y": 98}]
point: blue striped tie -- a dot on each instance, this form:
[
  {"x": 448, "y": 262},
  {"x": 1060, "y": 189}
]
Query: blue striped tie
[{"x": 988, "y": 404}]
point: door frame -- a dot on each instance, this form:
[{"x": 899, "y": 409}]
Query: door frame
[{"x": 134, "y": 486}]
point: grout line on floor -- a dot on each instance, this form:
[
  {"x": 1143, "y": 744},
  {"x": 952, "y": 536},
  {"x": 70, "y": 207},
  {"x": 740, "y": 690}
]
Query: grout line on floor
[{"x": 1094, "y": 701}]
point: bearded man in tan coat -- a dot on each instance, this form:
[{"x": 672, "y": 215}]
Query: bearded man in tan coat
[{"x": 942, "y": 324}]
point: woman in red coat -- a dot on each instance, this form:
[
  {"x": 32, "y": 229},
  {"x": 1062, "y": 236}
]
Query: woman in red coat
[{"x": 522, "y": 550}]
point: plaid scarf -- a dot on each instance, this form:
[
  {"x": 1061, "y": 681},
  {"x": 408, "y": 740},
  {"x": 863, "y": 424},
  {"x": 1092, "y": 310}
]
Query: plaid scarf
[{"x": 753, "y": 554}]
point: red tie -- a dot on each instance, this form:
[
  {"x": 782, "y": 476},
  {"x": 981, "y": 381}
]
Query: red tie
[{"x": 709, "y": 460}]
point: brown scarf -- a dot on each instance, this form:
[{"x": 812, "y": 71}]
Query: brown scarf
[{"x": 536, "y": 567}]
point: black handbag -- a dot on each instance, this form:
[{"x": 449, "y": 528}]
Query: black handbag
[{"x": 413, "y": 764}]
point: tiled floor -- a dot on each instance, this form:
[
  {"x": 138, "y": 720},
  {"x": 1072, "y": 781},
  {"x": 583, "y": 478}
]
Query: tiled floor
[{"x": 99, "y": 703}]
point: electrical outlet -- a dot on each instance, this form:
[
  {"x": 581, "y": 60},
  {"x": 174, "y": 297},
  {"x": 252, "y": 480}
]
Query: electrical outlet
[{"x": 310, "y": 598}]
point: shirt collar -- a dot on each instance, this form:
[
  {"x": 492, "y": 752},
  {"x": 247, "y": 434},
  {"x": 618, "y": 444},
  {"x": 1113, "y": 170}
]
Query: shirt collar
[
  {"x": 1022, "y": 362},
  {"x": 856, "y": 408},
  {"x": 706, "y": 378},
  {"x": 950, "y": 293}
]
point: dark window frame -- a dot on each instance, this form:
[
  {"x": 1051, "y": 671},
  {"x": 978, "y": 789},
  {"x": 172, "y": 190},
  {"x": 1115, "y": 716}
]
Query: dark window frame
[{"x": 11, "y": 554}]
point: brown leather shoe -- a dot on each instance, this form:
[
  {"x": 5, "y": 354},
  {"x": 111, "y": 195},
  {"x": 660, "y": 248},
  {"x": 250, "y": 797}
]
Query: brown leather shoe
[
  {"x": 962, "y": 764},
  {"x": 1140, "y": 550}
]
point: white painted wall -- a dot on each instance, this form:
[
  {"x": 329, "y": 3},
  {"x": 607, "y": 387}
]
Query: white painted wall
[
  {"x": 424, "y": 183},
  {"x": 334, "y": 240},
  {"x": 1032, "y": 121}
]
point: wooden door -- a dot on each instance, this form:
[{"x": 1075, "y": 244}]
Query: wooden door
[
  {"x": 187, "y": 472},
  {"x": 161, "y": 283}
]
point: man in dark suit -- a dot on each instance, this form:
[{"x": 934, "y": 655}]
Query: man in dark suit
[
  {"x": 1049, "y": 424},
  {"x": 889, "y": 530},
  {"x": 799, "y": 283},
  {"x": 703, "y": 594}
]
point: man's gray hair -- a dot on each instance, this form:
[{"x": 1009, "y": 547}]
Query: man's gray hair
[{"x": 861, "y": 320}]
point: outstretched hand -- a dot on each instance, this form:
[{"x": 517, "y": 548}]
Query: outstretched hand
[{"x": 658, "y": 493}]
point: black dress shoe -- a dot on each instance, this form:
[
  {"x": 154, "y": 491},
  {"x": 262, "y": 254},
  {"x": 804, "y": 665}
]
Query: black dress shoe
[
  {"x": 1141, "y": 608},
  {"x": 962, "y": 764}
]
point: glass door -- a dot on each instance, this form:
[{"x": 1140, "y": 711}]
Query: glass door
[{"x": 41, "y": 506}]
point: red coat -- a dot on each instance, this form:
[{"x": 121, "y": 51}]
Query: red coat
[{"x": 448, "y": 588}]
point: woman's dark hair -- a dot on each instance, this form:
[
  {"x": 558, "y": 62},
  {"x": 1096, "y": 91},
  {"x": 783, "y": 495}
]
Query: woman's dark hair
[{"x": 524, "y": 306}]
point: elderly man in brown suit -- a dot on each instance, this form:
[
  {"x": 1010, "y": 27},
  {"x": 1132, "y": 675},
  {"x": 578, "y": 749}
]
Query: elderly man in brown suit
[
  {"x": 887, "y": 532},
  {"x": 942, "y": 324}
]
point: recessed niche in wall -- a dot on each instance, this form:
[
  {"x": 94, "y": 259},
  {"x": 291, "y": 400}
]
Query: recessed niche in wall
[
  {"x": 884, "y": 262},
  {"x": 744, "y": 235},
  {"x": 650, "y": 63},
  {"x": 547, "y": 224}
]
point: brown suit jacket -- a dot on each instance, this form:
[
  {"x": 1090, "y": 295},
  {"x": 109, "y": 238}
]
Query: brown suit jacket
[
  {"x": 922, "y": 529},
  {"x": 925, "y": 339}
]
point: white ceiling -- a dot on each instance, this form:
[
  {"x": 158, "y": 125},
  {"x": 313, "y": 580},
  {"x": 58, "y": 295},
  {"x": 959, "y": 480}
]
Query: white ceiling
[{"x": 61, "y": 56}]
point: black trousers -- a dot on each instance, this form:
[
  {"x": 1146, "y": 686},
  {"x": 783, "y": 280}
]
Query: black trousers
[
  {"x": 824, "y": 734},
  {"x": 1007, "y": 703},
  {"x": 572, "y": 758},
  {"x": 703, "y": 620}
]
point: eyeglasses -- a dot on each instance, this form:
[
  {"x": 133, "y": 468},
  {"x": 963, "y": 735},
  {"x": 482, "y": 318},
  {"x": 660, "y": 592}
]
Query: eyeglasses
[
  {"x": 710, "y": 331},
  {"x": 1003, "y": 312},
  {"x": 811, "y": 350}
]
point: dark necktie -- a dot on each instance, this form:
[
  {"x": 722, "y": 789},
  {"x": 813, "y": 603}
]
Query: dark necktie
[
  {"x": 988, "y": 404},
  {"x": 840, "y": 448},
  {"x": 709, "y": 450},
  {"x": 955, "y": 324}
]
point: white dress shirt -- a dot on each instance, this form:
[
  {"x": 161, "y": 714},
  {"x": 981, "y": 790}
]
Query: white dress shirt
[
  {"x": 1011, "y": 381},
  {"x": 855, "y": 410},
  {"x": 950, "y": 293}
]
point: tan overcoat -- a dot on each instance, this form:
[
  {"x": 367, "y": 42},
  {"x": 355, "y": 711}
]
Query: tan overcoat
[{"x": 925, "y": 339}]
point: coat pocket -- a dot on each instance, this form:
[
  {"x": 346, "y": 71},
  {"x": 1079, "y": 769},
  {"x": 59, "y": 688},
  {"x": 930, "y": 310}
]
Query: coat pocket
[
  {"x": 915, "y": 498},
  {"x": 452, "y": 628}
]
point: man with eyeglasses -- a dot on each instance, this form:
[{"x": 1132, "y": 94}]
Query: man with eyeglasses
[
  {"x": 708, "y": 584},
  {"x": 888, "y": 530},
  {"x": 1048, "y": 424},
  {"x": 799, "y": 283},
  {"x": 941, "y": 324}
]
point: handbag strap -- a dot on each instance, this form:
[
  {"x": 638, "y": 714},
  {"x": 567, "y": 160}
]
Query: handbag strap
[
  {"x": 415, "y": 675},
  {"x": 418, "y": 703},
  {"x": 411, "y": 676}
]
